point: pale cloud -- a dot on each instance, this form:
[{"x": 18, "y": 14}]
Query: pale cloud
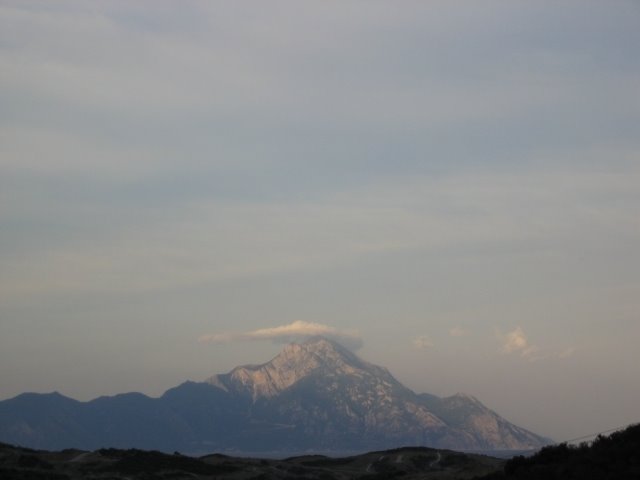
[
  {"x": 517, "y": 342},
  {"x": 514, "y": 341},
  {"x": 459, "y": 332},
  {"x": 422, "y": 342},
  {"x": 295, "y": 331}
]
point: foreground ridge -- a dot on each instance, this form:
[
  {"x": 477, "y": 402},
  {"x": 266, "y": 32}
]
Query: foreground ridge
[
  {"x": 407, "y": 463},
  {"x": 315, "y": 396},
  {"x": 613, "y": 456}
]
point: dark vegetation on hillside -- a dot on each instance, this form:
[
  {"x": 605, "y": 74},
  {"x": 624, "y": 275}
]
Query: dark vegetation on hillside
[
  {"x": 613, "y": 457},
  {"x": 114, "y": 464}
]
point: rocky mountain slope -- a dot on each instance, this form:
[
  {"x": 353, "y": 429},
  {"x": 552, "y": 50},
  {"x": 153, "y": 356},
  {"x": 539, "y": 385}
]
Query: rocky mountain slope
[{"x": 315, "y": 396}]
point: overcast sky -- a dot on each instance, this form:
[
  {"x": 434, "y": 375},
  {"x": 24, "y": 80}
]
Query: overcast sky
[{"x": 451, "y": 188}]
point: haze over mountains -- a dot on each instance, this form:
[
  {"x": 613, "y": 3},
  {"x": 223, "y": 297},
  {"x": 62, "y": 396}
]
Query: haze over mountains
[{"x": 313, "y": 396}]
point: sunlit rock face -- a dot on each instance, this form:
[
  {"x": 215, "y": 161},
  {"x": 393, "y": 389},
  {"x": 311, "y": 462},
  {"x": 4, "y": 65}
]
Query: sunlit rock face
[
  {"x": 315, "y": 396},
  {"x": 295, "y": 362},
  {"x": 316, "y": 357}
]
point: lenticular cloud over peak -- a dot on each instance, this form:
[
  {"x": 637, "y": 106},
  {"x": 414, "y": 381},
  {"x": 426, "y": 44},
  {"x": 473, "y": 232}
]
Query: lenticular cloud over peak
[{"x": 296, "y": 331}]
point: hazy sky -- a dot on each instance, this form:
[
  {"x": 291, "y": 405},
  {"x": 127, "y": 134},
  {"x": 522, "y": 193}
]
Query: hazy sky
[{"x": 452, "y": 188}]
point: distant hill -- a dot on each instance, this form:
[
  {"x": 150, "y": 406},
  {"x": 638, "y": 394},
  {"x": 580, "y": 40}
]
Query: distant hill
[
  {"x": 616, "y": 456},
  {"x": 113, "y": 464},
  {"x": 316, "y": 396}
]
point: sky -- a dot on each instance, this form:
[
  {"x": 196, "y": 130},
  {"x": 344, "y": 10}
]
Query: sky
[{"x": 451, "y": 189}]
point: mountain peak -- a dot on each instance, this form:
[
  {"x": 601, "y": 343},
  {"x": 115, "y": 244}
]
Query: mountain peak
[
  {"x": 322, "y": 348},
  {"x": 320, "y": 341},
  {"x": 316, "y": 356}
]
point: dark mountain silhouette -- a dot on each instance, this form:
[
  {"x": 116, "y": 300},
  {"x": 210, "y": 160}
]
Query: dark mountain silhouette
[{"x": 315, "y": 396}]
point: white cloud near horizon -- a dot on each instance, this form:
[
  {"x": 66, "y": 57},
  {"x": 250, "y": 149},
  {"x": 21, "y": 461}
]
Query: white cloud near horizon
[
  {"x": 422, "y": 342},
  {"x": 516, "y": 342},
  {"x": 295, "y": 331}
]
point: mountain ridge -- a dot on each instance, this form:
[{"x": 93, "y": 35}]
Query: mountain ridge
[{"x": 313, "y": 396}]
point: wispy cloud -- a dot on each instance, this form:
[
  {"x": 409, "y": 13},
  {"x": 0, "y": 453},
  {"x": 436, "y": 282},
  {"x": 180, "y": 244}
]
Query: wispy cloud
[
  {"x": 459, "y": 332},
  {"x": 517, "y": 342},
  {"x": 295, "y": 331},
  {"x": 422, "y": 342}
]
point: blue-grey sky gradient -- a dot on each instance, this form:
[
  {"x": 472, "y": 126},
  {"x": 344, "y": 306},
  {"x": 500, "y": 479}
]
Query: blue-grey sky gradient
[{"x": 456, "y": 185}]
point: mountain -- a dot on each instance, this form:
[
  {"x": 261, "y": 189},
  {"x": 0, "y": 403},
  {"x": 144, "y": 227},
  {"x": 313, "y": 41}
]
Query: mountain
[{"x": 314, "y": 396}]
